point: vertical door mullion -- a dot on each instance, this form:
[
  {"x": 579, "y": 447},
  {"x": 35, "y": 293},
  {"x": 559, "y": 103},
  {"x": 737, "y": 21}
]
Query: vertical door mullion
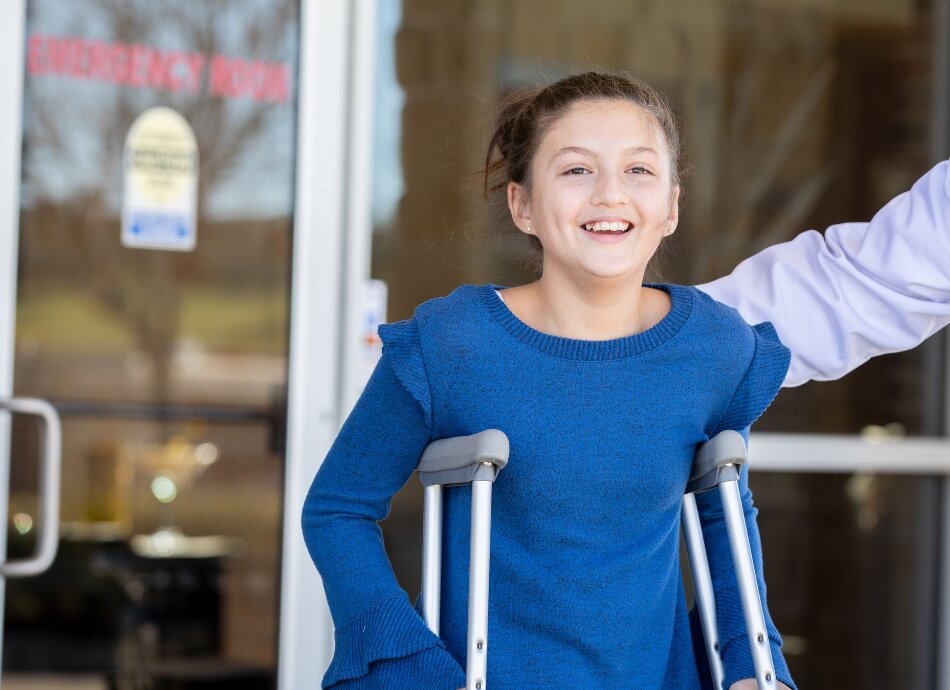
[
  {"x": 943, "y": 596},
  {"x": 358, "y": 226},
  {"x": 940, "y": 148},
  {"x": 314, "y": 384},
  {"x": 12, "y": 30}
]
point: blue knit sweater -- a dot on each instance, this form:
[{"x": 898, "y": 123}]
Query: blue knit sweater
[{"x": 586, "y": 589}]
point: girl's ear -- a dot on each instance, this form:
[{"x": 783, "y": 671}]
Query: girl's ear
[
  {"x": 518, "y": 206},
  {"x": 673, "y": 219}
]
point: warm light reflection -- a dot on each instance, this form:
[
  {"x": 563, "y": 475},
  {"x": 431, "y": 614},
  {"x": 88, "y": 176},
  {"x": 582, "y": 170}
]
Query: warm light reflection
[
  {"x": 875, "y": 433},
  {"x": 164, "y": 489},
  {"x": 22, "y": 522},
  {"x": 206, "y": 453},
  {"x": 165, "y": 541}
]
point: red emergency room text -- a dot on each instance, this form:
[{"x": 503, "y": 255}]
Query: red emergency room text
[{"x": 146, "y": 67}]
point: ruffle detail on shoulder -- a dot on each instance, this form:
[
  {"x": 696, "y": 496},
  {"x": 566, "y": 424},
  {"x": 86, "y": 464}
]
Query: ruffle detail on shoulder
[
  {"x": 390, "y": 636},
  {"x": 761, "y": 383},
  {"x": 401, "y": 346}
]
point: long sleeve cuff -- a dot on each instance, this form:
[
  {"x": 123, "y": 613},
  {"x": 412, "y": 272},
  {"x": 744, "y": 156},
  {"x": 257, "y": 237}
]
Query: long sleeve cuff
[
  {"x": 388, "y": 646},
  {"x": 735, "y": 652},
  {"x": 734, "y": 640},
  {"x": 737, "y": 661}
]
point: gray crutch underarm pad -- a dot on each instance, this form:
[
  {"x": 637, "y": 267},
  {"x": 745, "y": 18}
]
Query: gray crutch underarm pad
[
  {"x": 462, "y": 459},
  {"x": 717, "y": 460}
]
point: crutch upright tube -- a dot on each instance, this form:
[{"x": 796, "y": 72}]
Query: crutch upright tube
[
  {"x": 432, "y": 557},
  {"x": 460, "y": 460},
  {"x": 717, "y": 464},
  {"x": 702, "y": 587}
]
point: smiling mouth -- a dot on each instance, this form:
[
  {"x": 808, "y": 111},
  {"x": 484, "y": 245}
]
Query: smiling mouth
[{"x": 617, "y": 228}]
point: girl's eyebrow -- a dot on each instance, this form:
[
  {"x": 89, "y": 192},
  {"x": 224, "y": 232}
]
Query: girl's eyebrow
[{"x": 588, "y": 152}]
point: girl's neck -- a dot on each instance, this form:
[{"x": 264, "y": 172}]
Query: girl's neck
[{"x": 581, "y": 312}]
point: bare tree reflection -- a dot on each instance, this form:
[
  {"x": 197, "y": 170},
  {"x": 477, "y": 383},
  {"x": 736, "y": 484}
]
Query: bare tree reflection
[{"x": 72, "y": 164}]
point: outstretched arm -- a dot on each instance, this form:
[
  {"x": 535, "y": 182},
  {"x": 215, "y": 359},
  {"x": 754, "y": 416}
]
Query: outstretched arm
[{"x": 859, "y": 290}]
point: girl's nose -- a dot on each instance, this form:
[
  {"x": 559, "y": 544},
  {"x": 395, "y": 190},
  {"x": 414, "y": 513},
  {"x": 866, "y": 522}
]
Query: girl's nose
[{"x": 609, "y": 191}]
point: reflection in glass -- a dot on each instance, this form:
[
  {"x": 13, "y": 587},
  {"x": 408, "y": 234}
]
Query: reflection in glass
[
  {"x": 796, "y": 116},
  {"x": 851, "y": 565},
  {"x": 168, "y": 367},
  {"x": 149, "y": 582},
  {"x": 154, "y": 325}
]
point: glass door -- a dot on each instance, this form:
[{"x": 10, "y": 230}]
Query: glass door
[
  {"x": 795, "y": 116},
  {"x": 156, "y": 199}
]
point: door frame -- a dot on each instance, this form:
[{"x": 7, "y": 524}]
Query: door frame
[
  {"x": 326, "y": 266},
  {"x": 12, "y": 31},
  {"x": 331, "y": 264}
]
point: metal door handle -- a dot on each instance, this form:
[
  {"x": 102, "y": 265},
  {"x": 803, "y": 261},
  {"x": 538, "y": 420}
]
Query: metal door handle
[{"x": 50, "y": 463}]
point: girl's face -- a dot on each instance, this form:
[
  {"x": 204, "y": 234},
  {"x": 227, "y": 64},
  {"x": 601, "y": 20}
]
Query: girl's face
[{"x": 603, "y": 165}]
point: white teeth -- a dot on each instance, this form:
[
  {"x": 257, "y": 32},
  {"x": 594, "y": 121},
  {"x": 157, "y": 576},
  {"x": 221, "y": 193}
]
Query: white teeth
[{"x": 605, "y": 227}]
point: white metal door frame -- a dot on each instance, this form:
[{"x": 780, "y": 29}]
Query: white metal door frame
[
  {"x": 846, "y": 453},
  {"x": 331, "y": 256},
  {"x": 12, "y": 30},
  {"x": 331, "y": 262}
]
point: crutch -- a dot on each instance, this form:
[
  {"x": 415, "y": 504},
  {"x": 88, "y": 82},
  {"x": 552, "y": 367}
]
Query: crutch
[
  {"x": 717, "y": 463},
  {"x": 475, "y": 460}
]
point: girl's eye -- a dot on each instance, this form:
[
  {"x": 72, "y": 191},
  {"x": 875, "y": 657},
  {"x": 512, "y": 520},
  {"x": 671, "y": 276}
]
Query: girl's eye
[
  {"x": 639, "y": 169},
  {"x": 575, "y": 171}
]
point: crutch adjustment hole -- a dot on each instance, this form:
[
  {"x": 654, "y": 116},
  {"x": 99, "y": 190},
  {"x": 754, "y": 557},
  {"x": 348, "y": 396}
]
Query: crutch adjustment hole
[
  {"x": 480, "y": 644},
  {"x": 768, "y": 677},
  {"x": 761, "y": 638},
  {"x": 716, "y": 646},
  {"x": 478, "y": 684}
]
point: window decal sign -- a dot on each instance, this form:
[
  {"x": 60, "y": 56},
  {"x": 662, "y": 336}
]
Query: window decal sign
[
  {"x": 159, "y": 196},
  {"x": 148, "y": 67}
]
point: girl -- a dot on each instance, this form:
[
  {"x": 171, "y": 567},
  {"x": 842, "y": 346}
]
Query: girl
[{"x": 604, "y": 386}]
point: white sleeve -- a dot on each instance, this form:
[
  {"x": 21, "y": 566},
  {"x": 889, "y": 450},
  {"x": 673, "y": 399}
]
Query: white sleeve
[{"x": 862, "y": 289}]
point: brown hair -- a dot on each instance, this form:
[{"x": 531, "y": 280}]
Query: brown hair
[{"x": 526, "y": 115}]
